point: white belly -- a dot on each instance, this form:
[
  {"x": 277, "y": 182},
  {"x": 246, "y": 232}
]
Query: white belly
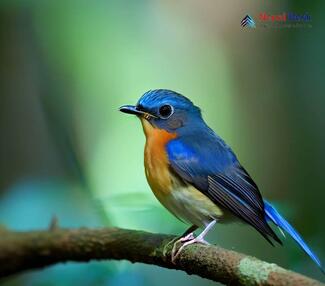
[{"x": 192, "y": 206}]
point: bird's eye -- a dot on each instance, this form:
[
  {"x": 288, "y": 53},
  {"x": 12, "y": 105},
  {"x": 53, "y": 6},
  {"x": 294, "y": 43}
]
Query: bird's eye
[{"x": 166, "y": 111}]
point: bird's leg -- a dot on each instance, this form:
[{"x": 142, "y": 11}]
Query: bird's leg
[
  {"x": 187, "y": 235},
  {"x": 189, "y": 231},
  {"x": 198, "y": 239}
]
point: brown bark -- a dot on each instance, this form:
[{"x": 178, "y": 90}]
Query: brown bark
[{"x": 36, "y": 249}]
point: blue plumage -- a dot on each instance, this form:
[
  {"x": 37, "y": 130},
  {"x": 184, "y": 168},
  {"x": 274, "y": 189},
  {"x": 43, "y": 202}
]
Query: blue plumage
[
  {"x": 273, "y": 215},
  {"x": 206, "y": 162},
  {"x": 203, "y": 170}
]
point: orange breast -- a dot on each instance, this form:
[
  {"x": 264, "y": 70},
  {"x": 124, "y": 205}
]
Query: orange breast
[
  {"x": 183, "y": 200},
  {"x": 156, "y": 160}
]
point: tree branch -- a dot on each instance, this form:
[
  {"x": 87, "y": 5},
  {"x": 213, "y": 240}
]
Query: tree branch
[{"x": 36, "y": 249}]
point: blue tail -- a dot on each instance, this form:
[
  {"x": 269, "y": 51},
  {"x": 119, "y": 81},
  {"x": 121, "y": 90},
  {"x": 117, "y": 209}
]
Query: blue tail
[{"x": 273, "y": 215}]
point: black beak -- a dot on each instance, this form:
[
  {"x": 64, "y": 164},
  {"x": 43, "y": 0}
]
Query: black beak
[{"x": 131, "y": 109}]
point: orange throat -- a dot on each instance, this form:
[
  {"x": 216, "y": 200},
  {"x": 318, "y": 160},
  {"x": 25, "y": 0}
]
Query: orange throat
[{"x": 155, "y": 159}]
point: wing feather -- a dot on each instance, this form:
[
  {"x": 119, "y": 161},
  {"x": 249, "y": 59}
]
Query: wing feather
[{"x": 211, "y": 166}]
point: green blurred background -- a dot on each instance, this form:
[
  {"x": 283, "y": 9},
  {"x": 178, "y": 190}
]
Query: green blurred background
[{"x": 65, "y": 150}]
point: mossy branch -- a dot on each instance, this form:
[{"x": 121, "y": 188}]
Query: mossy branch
[{"x": 36, "y": 249}]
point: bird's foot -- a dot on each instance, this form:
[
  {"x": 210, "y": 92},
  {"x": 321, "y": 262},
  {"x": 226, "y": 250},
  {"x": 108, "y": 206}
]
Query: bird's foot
[
  {"x": 167, "y": 245},
  {"x": 185, "y": 238},
  {"x": 175, "y": 241},
  {"x": 189, "y": 239}
]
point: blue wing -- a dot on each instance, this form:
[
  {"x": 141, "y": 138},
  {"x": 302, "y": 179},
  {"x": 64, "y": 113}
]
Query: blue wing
[{"x": 206, "y": 162}]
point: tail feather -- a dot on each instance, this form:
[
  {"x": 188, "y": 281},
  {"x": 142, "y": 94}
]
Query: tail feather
[{"x": 273, "y": 215}]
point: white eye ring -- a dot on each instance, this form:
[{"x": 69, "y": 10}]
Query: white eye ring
[{"x": 166, "y": 111}]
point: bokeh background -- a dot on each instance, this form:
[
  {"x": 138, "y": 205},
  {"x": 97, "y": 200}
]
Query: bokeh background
[{"x": 66, "y": 151}]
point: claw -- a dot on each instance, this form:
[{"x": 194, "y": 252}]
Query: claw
[
  {"x": 175, "y": 241},
  {"x": 188, "y": 237},
  {"x": 198, "y": 239},
  {"x": 166, "y": 246}
]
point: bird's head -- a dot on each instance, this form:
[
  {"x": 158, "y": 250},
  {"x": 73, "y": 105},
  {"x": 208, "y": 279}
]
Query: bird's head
[{"x": 165, "y": 109}]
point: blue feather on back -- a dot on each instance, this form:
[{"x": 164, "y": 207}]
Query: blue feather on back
[{"x": 205, "y": 161}]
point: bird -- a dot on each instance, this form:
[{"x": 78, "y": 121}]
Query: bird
[{"x": 197, "y": 177}]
